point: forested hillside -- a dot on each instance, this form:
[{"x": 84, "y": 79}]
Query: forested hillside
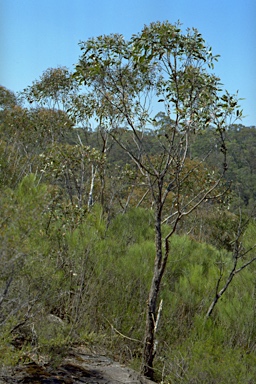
[{"x": 127, "y": 229}]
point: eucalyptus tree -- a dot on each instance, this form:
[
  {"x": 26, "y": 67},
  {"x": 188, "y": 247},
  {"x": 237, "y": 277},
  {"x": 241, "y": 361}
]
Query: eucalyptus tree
[
  {"x": 74, "y": 168},
  {"x": 56, "y": 106},
  {"x": 8, "y": 99},
  {"x": 58, "y": 90},
  {"x": 53, "y": 90},
  {"x": 160, "y": 69}
]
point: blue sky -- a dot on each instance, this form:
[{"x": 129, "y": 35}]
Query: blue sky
[{"x": 39, "y": 34}]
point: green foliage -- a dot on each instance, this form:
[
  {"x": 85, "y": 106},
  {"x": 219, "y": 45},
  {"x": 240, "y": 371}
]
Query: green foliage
[
  {"x": 73, "y": 167},
  {"x": 9, "y": 355},
  {"x": 207, "y": 361},
  {"x": 240, "y": 143},
  {"x": 162, "y": 61},
  {"x": 135, "y": 226},
  {"x": 93, "y": 279},
  {"x": 8, "y": 99},
  {"x": 53, "y": 90}
]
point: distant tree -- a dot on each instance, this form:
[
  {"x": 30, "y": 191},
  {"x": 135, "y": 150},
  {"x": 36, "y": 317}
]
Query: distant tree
[
  {"x": 24, "y": 134},
  {"x": 76, "y": 168},
  {"x": 53, "y": 90},
  {"x": 240, "y": 143},
  {"x": 8, "y": 99},
  {"x": 58, "y": 90},
  {"x": 121, "y": 79}
]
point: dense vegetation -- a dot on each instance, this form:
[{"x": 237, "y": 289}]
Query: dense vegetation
[{"x": 77, "y": 234}]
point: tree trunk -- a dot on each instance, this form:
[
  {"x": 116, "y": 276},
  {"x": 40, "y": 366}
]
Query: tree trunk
[
  {"x": 151, "y": 315},
  {"x": 149, "y": 340}
]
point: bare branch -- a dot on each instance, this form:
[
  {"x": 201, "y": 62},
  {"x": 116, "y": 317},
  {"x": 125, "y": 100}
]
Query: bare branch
[{"x": 237, "y": 254}]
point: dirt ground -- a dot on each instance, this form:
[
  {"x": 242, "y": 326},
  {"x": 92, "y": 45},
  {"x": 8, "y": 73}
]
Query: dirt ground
[{"x": 81, "y": 366}]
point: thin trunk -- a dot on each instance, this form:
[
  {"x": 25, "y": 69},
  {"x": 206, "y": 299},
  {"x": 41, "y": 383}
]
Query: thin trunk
[
  {"x": 90, "y": 199},
  {"x": 149, "y": 340},
  {"x": 151, "y": 315}
]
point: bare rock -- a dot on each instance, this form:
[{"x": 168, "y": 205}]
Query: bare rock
[{"x": 80, "y": 366}]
